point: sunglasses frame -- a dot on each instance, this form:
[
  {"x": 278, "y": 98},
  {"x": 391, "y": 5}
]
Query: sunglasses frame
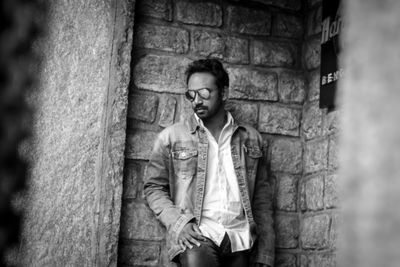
[{"x": 197, "y": 92}]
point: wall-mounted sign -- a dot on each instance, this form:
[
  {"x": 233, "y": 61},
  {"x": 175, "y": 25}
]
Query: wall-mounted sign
[{"x": 330, "y": 48}]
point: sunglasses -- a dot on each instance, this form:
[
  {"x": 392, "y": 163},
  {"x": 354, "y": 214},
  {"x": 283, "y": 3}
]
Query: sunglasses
[{"x": 204, "y": 93}]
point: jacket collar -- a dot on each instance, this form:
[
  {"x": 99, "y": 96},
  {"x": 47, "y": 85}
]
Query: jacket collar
[{"x": 194, "y": 124}]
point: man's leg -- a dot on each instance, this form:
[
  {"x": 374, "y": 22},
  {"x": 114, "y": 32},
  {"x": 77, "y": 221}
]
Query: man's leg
[
  {"x": 236, "y": 259},
  {"x": 207, "y": 255}
]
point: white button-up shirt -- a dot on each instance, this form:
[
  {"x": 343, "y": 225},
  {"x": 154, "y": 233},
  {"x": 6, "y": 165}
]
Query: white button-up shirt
[{"x": 222, "y": 210}]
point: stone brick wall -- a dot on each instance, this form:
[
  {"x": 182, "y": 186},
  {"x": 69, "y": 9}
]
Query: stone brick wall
[{"x": 270, "y": 49}]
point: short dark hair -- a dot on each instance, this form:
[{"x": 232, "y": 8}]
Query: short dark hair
[{"x": 213, "y": 66}]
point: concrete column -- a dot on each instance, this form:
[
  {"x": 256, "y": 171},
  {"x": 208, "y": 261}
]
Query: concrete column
[
  {"x": 77, "y": 152},
  {"x": 370, "y": 142}
]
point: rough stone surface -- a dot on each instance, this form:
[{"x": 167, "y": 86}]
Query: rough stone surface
[
  {"x": 292, "y": 87},
  {"x": 139, "y": 253},
  {"x": 167, "y": 113},
  {"x": 333, "y": 161},
  {"x": 312, "y": 53},
  {"x": 313, "y": 85},
  {"x": 312, "y": 194},
  {"x": 162, "y": 37},
  {"x": 161, "y": 73},
  {"x": 76, "y": 154},
  {"x": 250, "y": 84},
  {"x": 237, "y": 50},
  {"x": 143, "y": 107},
  {"x": 274, "y": 54},
  {"x": 140, "y": 144},
  {"x": 286, "y": 192},
  {"x": 288, "y": 4},
  {"x": 279, "y": 120},
  {"x": 331, "y": 122},
  {"x": 314, "y": 20},
  {"x": 331, "y": 191},
  {"x": 139, "y": 222},
  {"x": 334, "y": 230},
  {"x": 286, "y": 156},
  {"x": 312, "y": 120},
  {"x": 315, "y": 157},
  {"x": 250, "y": 21},
  {"x": 318, "y": 260},
  {"x": 314, "y": 233},
  {"x": 161, "y": 9},
  {"x": 133, "y": 174},
  {"x": 200, "y": 13},
  {"x": 285, "y": 260},
  {"x": 208, "y": 44},
  {"x": 288, "y": 26},
  {"x": 243, "y": 112},
  {"x": 287, "y": 231}
]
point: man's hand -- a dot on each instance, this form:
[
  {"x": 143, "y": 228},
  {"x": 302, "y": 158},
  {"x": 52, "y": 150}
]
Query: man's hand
[{"x": 190, "y": 235}]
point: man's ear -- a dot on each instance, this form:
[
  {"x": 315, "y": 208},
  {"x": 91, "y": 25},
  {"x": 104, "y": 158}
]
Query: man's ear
[{"x": 225, "y": 92}]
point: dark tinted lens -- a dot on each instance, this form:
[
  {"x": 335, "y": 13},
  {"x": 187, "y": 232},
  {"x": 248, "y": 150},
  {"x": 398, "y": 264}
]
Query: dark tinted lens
[
  {"x": 204, "y": 93},
  {"x": 190, "y": 95}
]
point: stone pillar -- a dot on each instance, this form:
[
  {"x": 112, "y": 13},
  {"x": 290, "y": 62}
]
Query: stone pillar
[
  {"x": 370, "y": 143},
  {"x": 74, "y": 197}
]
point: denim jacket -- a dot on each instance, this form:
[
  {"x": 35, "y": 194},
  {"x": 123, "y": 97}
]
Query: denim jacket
[{"x": 176, "y": 176}]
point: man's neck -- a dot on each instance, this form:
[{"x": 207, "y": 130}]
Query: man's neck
[{"x": 216, "y": 123}]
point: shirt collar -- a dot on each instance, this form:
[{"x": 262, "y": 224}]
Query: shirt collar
[{"x": 229, "y": 119}]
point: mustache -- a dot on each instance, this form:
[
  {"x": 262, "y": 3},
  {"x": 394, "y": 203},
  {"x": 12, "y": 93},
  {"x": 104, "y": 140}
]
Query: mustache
[{"x": 200, "y": 107}]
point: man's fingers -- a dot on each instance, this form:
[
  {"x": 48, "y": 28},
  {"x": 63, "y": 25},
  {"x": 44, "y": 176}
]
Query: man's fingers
[
  {"x": 180, "y": 243},
  {"x": 197, "y": 233},
  {"x": 187, "y": 243},
  {"x": 193, "y": 241}
]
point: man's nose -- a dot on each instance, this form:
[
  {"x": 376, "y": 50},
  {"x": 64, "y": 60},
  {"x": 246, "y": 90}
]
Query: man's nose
[{"x": 197, "y": 99}]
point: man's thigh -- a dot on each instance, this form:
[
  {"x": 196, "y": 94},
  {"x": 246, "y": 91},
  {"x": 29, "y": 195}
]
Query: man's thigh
[
  {"x": 207, "y": 255},
  {"x": 236, "y": 259}
]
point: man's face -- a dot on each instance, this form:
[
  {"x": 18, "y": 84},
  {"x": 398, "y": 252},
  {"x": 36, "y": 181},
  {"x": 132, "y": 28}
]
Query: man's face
[{"x": 204, "y": 108}]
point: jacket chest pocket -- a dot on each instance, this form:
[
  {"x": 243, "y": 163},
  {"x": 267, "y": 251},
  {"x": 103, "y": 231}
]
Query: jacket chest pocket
[
  {"x": 185, "y": 163},
  {"x": 253, "y": 154}
]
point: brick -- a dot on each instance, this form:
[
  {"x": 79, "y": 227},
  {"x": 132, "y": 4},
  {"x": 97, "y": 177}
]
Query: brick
[
  {"x": 279, "y": 120},
  {"x": 140, "y": 144},
  {"x": 333, "y": 233},
  {"x": 162, "y": 38},
  {"x": 273, "y": 54},
  {"x": 313, "y": 86},
  {"x": 314, "y": 233},
  {"x": 286, "y": 192},
  {"x": 251, "y": 84},
  {"x": 288, "y": 26},
  {"x": 143, "y": 107},
  {"x": 199, "y": 13},
  {"x": 168, "y": 109},
  {"x": 184, "y": 108},
  {"x": 208, "y": 44},
  {"x": 292, "y": 87},
  {"x": 243, "y": 112},
  {"x": 312, "y": 194},
  {"x": 161, "y": 73},
  {"x": 312, "y": 121},
  {"x": 139, "y": 222},
  {"x": 314, "y": 20},
  {"x": 287, "y": 231},
  {"x": 318, "y": 260},
  {"x": 133, "y": 172},
  {"x": 312, "y": 53},
  {"x": 236, "y": 50},
  {"x": 331, "y": 122},
  {"x": 331, "y": 191},
  {"x": 161, "y": 9},
  {"x": 333, "y": 161},
  {"x": 139, "y": 253},
  {"x": 249, "y": 21},
  {"x": 288, "y": 4},
  {"x": 286, "y": 156},
  {"x": 285, "y": 260},
  {"x": 315, "y": 157}
]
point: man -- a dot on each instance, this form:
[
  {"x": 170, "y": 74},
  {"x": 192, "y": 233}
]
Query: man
[{"x": 206, "y": 183}]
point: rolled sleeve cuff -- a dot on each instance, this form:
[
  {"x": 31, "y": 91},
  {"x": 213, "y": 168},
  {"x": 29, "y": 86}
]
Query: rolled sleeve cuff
[
  {"x": 180, "y": 223},
  {"x": 265, "y": 259}
]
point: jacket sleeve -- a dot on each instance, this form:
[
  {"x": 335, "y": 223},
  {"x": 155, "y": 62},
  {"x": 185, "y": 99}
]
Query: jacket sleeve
[
  {"x": 263, "y": 216},
  {"x": 157, "y": 188}
]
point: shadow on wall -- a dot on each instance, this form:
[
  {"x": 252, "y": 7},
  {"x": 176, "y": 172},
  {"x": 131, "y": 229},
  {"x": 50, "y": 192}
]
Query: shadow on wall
[{"x": 22, "y": 22}]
